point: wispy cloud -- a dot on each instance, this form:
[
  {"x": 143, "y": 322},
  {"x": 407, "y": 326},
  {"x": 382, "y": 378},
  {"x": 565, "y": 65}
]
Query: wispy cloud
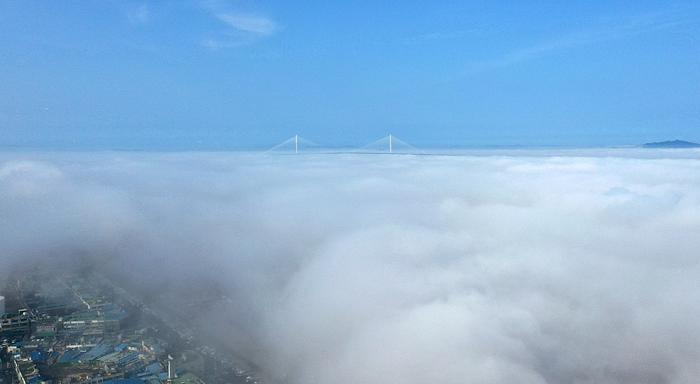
[
  {"x": 618, "y": 29},
  {"x": 241, "y": 28},
  {"x": 437, "y": 36},
  {"x": 223, "y": 42},
  {"x": 140, "y": 14},
  {"x": 255, "y": 24}
]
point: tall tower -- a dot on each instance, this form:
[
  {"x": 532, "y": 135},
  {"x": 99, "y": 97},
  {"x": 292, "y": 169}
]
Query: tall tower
[
  {"x": 170, "y": 373},
  {"x": 296, "y": 143},
  {"x": 391, "y": 144},
  {"x": 2, "y": 305}
]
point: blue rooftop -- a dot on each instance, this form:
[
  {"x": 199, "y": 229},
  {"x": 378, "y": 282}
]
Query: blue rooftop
[
  {"x": 38, "y": 356},
  {"x": 97, "y": 351},
  {"x": 70, "y": 356}
]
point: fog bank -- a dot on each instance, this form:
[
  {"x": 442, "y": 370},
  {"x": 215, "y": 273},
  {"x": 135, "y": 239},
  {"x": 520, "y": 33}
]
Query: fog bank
[{"x": 392, "y": 269}]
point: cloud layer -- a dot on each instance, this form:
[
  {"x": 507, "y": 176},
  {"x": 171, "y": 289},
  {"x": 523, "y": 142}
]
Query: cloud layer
[
  {"x": 376, "y": 269},
  {"x": 258, "y": 25},
  {"x": 242, "y": 28}
]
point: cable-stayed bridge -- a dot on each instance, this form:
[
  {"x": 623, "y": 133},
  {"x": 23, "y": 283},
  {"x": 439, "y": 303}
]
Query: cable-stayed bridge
[
  {"x": 389, "y": 144},
  {"x": 295, "y": 144}
]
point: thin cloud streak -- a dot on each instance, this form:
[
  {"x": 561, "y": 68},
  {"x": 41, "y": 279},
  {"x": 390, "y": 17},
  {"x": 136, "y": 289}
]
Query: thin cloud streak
[
  {"x": 242, "y": 28},
  {"x": 631, "y": 27},
  {"x": 438, "y": 36},
  {"x": 255, "y": 24}
]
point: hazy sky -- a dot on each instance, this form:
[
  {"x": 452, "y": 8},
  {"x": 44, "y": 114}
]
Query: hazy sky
[{"x": 218, "y": 74}]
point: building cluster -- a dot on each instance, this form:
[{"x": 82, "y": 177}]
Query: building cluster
[{"x": 68, "y": 333}]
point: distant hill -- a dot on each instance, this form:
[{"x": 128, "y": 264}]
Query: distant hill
[{"x": 672, "y": 144}]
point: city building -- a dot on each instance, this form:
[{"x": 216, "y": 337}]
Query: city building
[{"x": 14, "y": 324}]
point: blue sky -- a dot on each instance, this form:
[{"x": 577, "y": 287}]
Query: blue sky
[{"x": 237, "y": 74}]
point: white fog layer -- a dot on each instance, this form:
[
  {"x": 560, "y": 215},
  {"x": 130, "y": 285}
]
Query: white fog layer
[{"x": 342, "y": 269}]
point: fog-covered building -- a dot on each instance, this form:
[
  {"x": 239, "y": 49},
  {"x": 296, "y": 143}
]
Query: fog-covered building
[{"x": 15, "y": 323}]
